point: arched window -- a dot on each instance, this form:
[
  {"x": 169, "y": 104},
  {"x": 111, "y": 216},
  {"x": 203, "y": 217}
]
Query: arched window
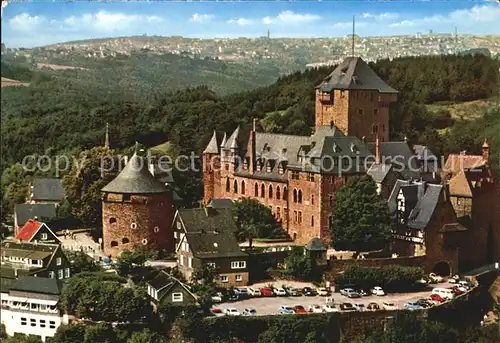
[
  {"x": 228, "y": 185},
  {"x": 278, "y": 192},
  {"x": 285, "y": 193},
  {"x": 235, "y": 188},
  {"x": 375, "y": 128},
  {"x": 112, "y": 220},
  {"x": 294, "y": 195},
  {"x": 125, "y": 240},
  {"x": 256, "y": 190},
  {"x": 299, "y": 197},
  {"x": 242, "y": 187},
  {"x": 114, "y": 244},
  {"x": 262, "y": 191},
  {"x": 270, "y": 195}
]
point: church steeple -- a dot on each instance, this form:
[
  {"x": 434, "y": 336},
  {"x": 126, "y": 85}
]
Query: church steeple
[{"x": 106, "y": 138}]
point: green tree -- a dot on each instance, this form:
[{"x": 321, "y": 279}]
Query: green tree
[
  {"x": 360, "y": 219},
  {"x": 205, "y": 285},
  {"x": 146, "y": 336},
  {"x": 100, "y": 332},
  {"x": 69, "y": 334},
  {"x": 81, "y": 262},
  {"x": 84, "y": 182},
  {"x": 14, "y": 187},
  {"x": 131, "y": 261},
  {"x": 255, "y": 220},
  {"x": 301, "y": 266},
  {"x": 20, "y": 338}
]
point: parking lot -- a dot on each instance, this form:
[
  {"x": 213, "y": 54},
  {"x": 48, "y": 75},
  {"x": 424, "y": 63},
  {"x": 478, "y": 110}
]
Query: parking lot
[{"x": 271, "y": 305}]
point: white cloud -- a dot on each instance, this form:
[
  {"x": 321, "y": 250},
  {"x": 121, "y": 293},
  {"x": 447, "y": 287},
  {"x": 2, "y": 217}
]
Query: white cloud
[
  {"x": 290, "y": 17},
  {"x": 241, "y": 21},
  {"x": 472, "y": 17},
  {"x": 342, "y": 25},
  {"x": 380, "y": 16},
  {"x": 202, "y": 18},
  {"x": 26, "y": 23}
]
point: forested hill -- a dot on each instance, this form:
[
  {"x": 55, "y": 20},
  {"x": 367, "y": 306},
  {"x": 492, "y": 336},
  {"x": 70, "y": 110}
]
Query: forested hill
[{"x": 58, "y": 114}]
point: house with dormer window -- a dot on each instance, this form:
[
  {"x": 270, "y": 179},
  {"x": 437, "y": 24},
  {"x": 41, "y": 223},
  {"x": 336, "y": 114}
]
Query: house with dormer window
[
  {"x": 165, "y": 289},
  {"x": 206, "y": 236},
  {"x": 35, "y": 231}
]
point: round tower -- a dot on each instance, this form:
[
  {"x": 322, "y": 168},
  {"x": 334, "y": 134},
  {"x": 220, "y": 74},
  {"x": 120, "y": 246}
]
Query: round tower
[{"x": 137, "y": 210}]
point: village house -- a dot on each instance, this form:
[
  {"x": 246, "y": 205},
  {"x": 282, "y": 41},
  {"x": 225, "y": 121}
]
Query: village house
[
  {"x": 30, "y": 307},
  {"x": 35, "y": 231},
  {"x": 46, "y": 191},
  {"x": 206, "y": 236},
  {"x": 25, "y": 212},
  {"x": 165, "y": 289}
]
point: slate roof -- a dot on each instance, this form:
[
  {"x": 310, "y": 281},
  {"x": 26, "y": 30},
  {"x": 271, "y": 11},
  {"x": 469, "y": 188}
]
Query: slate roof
[
  {"x": 31, "y": 284},
  {"x": 6, "y": 283},
  {"x": 24, "y": 212},
  {"x": 392, "y": 202},
  {"x": 135, "y": 178},
  {"x": 219, "y": 203},
  {"x": 379, "y": 171},
  {"x": 212, "y": 147},
  {"x": 47, "y": 190},
  {"x": 401, "y": 155},
  {"x": 163, "y": 282},
  {"x": 423, "y": 211},
  {"x": 210, "y": 232},
  {"x": 354, "y": 73},
  {"x": 316, "y": 244},
  {"x": 36, "y": 251},
  {"x": 162, "y": 171}
]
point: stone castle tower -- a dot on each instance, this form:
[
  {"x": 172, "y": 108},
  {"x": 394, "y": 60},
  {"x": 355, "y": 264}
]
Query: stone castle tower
[
  {"x": 137, "y": 209},
  {"x": 356, "y": 100}
]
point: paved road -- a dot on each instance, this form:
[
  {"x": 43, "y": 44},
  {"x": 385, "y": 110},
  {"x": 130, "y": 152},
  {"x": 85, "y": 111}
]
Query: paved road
[{"x": 270, "y": 305}]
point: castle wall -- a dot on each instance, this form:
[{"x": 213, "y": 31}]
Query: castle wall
[{"x": 142, "y": 220}]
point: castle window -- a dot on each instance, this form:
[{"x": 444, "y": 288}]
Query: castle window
[
  {"x": 299, "y": 197},
  {"x": 375, "y": 111},
  {"x": 235, "y": 187},
  {"x": 281, "y": 170},
  {"x": 262, "y": 191},
  {"x": 156, "y": 229},
  {"x": 112, "y": 220},
  {"x": 243, "y": 187},
  {"x": 256, "y": 190},
  {"x": 268, "y": 168},
  {"x": 312, "y": 199},
  {"x": 125, "y": 240},
  {"x": 342, "y": 94},
  {"x": 383, "y": 127},
  {"x": 310, "y": 177},
  {"x": 312, "y": 220},
  {"x": 245, "y": 165},
  {"x": 294, "y": 195},
  {"x": 228, "y": 185},
  {"x": 285, "y": 193},
  {"x": 295, "y": 175},
  {"x": 133, "y": 226},
  {"x": 126, "y": 197},
  {"x": 300, "y": 217},
  {"x": 371, "y": 96},
  {"x": 278, "y": 213},
  {"x": 144, "y": 241},
  {"x": 295, "y": 216},
  {"x": 114, "y": 244},
  {"x": 331, "y": 200},
  {"x": 375, "y": 128},
  {"x": 360, "y": 111},
  {"x": 258, "y": 166},
  {"x": 226, "y": 166},
  {"x": 270, "y": 191},
  {"x": 278, "y": 192}
]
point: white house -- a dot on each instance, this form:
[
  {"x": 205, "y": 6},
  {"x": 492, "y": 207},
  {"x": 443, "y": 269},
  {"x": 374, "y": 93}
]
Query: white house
[{"x": 29, "y": 306}]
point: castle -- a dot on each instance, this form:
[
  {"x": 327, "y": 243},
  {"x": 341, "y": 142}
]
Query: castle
[{"x": 298, "y": 176}]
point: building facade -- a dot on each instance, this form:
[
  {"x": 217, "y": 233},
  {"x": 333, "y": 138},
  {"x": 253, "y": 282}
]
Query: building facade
[{"x": 137, "y": 210}]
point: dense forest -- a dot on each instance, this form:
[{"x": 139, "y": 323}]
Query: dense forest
[{"x": 61, "y": 115}]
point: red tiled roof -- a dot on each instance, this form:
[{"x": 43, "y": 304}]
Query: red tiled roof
[
  {"x": 28, "y": 230},
  {"x": 457, "y": 163},
  {"x": 461, "y": 185}
]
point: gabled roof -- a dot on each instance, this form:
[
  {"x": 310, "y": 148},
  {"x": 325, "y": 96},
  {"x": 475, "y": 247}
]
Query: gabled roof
[
  {"x": 213, "y": 146},
  {"x": 392, "y": 202},
  {"x": 30, "y": 229},
  {"x": 47, "y": 190},
  {"x": 163, "y": 282},
  {"x": 460, "y": 185},
  {"x": 379, "y": 171},
  {"x": 162, "y": 171},
  {"x": 461, "y": 162},
  {"x": 354, "y": 73},
  {"x": 423, "y": 211},
  {"x": 423, "y": 152},
  {"x": 41, "y": 285},
  {"x": 24, "y": 212},
  {"x": 135, "y": 178},
  {"x": 402, "y": 156},
  {"x": 220, "y": 203}
]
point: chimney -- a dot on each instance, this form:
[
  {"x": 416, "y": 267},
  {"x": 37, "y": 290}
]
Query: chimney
[
  {"x": 377, "y": 151},
  {"x": 486, "y": 151},
  {"x": 251, "y": 147}
]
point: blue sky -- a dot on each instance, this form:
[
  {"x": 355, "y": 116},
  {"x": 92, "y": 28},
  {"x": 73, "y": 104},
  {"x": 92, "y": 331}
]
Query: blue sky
[{"x": 39, "y": 23}]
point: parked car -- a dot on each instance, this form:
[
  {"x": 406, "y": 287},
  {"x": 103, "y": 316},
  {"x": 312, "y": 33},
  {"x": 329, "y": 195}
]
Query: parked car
[
  {"x": 232, "y": 312},
  {"x": 267, "y": 292},
  {"x": 280, "y": 292},
  {"x": 362, "y": 293},
  {"x": 254, "y": 292},
  {"x": 323, "y": 291},
  {"x": 232, "y": 296},
  {"x": 308, "y": 291},
  {"x": 421, "y": 281},
  {"x": 377, "y": 290},
  {"x": 456, "y": 290},
  {"x": 315, "y": 308},
  {"x": 299, "y": 309},
  {"x": 444, "y": 293},
  {"x": 466, "y": 283},
  {"x": 217, "y": 297},
  {"x": 388, "y": 306},
  {"x": 437, "y": 298},
  {"x": 461, "y": 288},
  {"x": 373, "y": 307},
  {"x": 331, "y": 308},
  {"x": 412, "y": 306},
  {"x": 242, "y": 292},
  {"x": 435, "y": 278},
  {"x": 359, "y": 307},
  {"x": 347, "y": 307},
  {"x": 217, "y": 312},
  {"x": 424, "y": 303},
  {"x": 286, "y": 310},
  {"x": 293, "y": 292},
  {"x": 350, "y": 293},
  {"x": 249, "y": 312}
]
